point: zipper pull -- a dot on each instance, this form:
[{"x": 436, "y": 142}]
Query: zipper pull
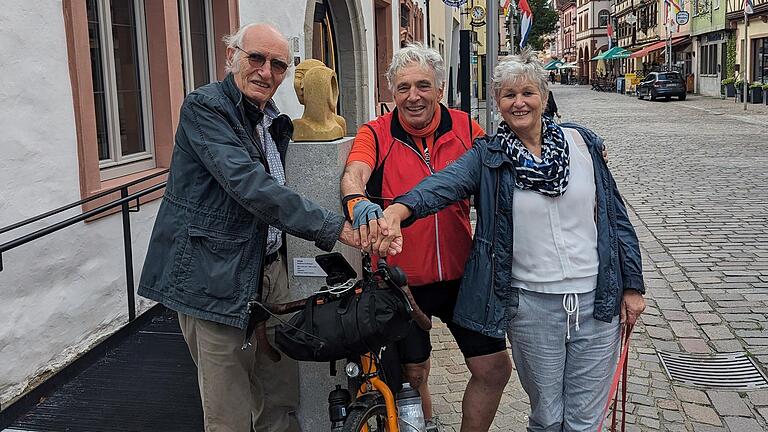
[{"x": 246, "y": 338}]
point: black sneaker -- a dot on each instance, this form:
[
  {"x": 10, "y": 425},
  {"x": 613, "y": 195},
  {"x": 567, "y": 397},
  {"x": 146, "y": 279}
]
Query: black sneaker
[{"x": 434, "y": 425}]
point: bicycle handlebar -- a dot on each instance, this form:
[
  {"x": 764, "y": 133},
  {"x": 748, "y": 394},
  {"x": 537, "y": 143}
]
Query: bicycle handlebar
[{"x": 393, "y": 276}]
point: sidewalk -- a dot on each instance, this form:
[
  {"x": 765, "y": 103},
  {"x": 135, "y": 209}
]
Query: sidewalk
[{"x": 754, "y": 114}]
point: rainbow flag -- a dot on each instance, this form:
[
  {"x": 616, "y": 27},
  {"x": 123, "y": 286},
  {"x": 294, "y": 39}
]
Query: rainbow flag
[
  {"x": 673, "y": 5},
  {"x": 526, "y": 21}
]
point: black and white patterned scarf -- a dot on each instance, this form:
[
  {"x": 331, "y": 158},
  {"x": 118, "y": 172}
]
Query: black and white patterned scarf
[{"x": 549, "y": 174}]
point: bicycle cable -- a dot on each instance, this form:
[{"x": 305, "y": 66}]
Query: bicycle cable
[{"x": 338, "y": 289}]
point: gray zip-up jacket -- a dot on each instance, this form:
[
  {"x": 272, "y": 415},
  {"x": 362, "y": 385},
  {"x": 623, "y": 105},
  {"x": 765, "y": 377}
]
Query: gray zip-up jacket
[
  {"x": 207, "y": 247},
  {"x": 486, "y": 298}
]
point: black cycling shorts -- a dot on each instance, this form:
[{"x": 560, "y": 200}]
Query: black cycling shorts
[{"x": 439, "y": 299}]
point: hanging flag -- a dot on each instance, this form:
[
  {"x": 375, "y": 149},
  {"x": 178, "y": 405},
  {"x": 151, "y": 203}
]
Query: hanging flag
[
  {"x": 749, "y": 9},
  {"x": 674, "y": 6},
  {"x": 504, "y": 4},
  {"x": 609, "y": 31},
  {"x": 526, "y": 21}
]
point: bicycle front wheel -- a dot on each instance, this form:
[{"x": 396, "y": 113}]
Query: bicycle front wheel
[{"x": 372, "y": 413}]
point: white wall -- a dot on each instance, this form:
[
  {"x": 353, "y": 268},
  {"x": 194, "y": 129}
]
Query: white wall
[
  {"x": 290, "y": 18},
  {"x": 60, "y": 294}
]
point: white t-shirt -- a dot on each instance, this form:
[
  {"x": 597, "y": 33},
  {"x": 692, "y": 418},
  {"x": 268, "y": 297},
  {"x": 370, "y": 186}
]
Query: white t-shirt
[{"x": 555, "y": 239}]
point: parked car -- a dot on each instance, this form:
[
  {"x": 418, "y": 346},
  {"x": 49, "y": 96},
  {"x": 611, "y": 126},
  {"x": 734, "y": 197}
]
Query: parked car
[{"x": 661, "y": 84}]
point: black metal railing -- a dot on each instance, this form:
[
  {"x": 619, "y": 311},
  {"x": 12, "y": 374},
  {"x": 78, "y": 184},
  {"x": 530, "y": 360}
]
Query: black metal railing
[{"x": 125, "y": 209}]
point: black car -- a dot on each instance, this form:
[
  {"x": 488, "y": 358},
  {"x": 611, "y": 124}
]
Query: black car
[{"x": 661, "y": 84}]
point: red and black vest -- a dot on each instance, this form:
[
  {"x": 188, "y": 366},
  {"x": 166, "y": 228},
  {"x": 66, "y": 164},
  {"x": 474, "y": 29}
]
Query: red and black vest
[{"x": 436, "y": 247}]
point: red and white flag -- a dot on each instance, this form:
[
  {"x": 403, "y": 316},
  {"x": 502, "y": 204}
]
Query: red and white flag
[
  {"x": 609, "y": 32},
  {"x": 526, "y": 21}
]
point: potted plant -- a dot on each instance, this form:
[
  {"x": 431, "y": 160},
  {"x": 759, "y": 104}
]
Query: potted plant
[
  {"x": 728, "y": 88},
  {"x": 765, "y": 93},
  {"x": 756, "y": 92}
]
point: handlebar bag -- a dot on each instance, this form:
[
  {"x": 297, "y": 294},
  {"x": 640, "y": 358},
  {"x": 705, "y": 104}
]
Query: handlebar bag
[{"x": 364, "y": 319}]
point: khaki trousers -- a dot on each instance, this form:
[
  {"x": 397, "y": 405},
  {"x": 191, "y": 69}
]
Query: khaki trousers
[{"x": 243, "y": 390}]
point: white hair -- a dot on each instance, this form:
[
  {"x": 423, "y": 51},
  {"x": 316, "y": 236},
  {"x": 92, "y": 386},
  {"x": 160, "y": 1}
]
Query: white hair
[
  {"x": 520, "y": 67},
  {"x": 419, "y": 54},
  {"x": 235, "y": 40}
]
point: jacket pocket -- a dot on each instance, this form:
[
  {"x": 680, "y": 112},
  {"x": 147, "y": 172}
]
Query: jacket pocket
[
  {"x": 474, "y": 300},
  {"x": 213, "y": 262}
]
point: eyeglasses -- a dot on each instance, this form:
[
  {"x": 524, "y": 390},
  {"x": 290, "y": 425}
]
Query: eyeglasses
[{"x": 258, "y": 59}]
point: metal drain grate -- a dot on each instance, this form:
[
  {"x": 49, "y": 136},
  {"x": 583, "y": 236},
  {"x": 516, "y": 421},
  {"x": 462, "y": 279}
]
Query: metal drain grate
[{"x": 732, "y": 371}]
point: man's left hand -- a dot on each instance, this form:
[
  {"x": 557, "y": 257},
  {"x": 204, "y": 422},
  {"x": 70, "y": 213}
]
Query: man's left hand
[
  {"x": 383, "y": 239},
  {"x": 349, "y": 236},
  {"x": 632, "y": 305}
]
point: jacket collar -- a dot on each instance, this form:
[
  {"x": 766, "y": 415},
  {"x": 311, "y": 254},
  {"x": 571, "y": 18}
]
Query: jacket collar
[
  {"x": 282, "y": 127},
  {"x": 236, "y": 96},
  {"x": 496, "y": 153},
  {"x": 397, "y": 130},
  {"x": 594, "y": 141},
  {"x": 231, "y": 90}
]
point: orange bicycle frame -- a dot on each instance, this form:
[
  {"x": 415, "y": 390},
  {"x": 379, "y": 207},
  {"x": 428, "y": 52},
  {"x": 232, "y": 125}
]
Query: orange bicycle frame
[{"x": 369, "y": 367}]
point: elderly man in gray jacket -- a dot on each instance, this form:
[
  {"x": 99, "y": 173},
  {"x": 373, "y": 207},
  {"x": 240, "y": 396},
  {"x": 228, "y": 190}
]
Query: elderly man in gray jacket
[{"x": 216, "y": 244}]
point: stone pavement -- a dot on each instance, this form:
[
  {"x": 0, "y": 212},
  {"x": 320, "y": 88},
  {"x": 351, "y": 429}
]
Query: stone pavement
[{"x": 694, "y": 176}]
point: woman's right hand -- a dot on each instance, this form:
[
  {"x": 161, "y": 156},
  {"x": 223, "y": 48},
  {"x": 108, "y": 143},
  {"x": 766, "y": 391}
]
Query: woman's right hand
[
  {"x": 391, "y": 243},
  {"x": 632, "y": 305}
]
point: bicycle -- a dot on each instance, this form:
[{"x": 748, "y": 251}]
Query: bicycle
[{"x": 373, "y": 408}]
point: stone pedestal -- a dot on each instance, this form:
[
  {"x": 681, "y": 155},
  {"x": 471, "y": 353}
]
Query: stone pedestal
[{"x": 314, "y": 170}]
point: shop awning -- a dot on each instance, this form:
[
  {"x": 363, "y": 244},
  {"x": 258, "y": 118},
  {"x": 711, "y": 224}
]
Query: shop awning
[
  {"x": 552, "y": 65},
  {"x": 657, "y": 46},
  {"x": 568, "y": 66},
  {"x": 612, "y": 54}
]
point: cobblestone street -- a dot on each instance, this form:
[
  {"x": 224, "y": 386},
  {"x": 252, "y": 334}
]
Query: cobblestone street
[{"x": 693, "y": 175}]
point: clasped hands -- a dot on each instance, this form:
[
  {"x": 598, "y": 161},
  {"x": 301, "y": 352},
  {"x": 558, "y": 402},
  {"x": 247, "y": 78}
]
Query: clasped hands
[{"x": 374, "y": 230}]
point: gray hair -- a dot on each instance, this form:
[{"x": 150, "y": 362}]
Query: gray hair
[
  {"x": 520, "y": 67},
  {"x": 416, "y": 53},
  {"x": 235, "y": 40}
]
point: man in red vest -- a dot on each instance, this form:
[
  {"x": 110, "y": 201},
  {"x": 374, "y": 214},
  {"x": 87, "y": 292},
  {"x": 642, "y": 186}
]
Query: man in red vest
[{"x": 390, "y": 155}]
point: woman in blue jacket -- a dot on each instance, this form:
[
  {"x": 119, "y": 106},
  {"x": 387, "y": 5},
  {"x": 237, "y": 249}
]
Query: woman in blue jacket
[{"x": 555, "y": 258}]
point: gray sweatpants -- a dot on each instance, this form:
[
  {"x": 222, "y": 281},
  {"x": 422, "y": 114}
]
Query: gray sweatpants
[{"x": 567, "y": 380}]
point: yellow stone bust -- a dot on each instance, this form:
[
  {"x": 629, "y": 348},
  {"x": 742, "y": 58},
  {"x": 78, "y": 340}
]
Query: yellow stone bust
[{"x": 317, "y": 88}]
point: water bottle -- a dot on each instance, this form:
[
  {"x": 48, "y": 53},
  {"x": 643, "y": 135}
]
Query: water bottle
[
  {"x": 338, "y": 402},
  {"x": 409, "y": 413}
]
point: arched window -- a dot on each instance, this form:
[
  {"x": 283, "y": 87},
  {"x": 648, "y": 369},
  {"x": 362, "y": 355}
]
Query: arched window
[{"x": 602, "y": 18}]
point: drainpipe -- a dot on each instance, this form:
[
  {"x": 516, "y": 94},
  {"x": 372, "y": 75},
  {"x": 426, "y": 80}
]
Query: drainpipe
[
  {"x": 491, "y": 56},
  {"x": 669, "y": 41},
  {"x": 429, "y": 32},
  {"x": 745, "y": 54}
]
